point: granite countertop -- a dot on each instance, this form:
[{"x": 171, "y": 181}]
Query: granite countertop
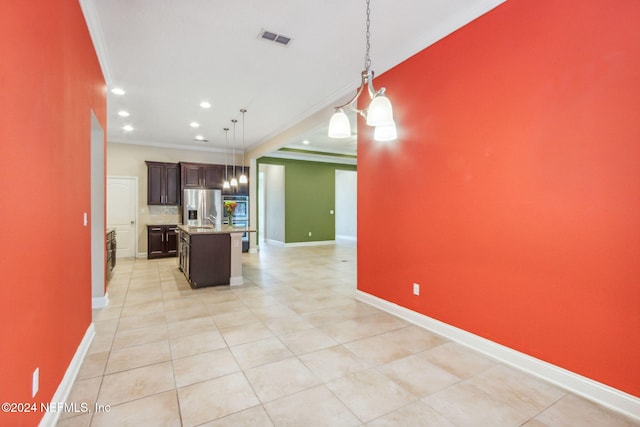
[{"x": 208, "y": 229}]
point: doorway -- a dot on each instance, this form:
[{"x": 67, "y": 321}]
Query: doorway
[
  {"x": 271, "y": 206},
  {"x": 122, "y": 213},
  {"x": 98, "y": 291},
  {"x": 346, "y": 204}
]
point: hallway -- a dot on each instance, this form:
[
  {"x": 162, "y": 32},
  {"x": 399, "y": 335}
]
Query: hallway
[{"x": 293, "y": 347}]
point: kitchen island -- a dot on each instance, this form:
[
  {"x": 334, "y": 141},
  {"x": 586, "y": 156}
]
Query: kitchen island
[{"x": 211, "y": 256}]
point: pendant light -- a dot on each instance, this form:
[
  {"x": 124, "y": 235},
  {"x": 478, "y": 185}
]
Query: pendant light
[
  {"x": 380, "y": 112},
  {"x": 234, "y": 180},
  {"x": 243, "y": 178},
  {"x": 225, "y": 183}
]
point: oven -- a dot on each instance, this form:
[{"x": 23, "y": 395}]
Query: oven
[{"x": 242, "y": 208}]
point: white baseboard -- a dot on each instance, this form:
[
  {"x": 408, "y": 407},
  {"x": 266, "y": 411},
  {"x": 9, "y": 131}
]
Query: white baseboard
[
  {"x": 312, "y": 243},
  {"x": 236, "y": 280},
  {"x": 599, "y": 393},
  {"x": 64, "y": 388},
  {"x": 100, "y": 302},
  {"x": 346, "y": 237}
]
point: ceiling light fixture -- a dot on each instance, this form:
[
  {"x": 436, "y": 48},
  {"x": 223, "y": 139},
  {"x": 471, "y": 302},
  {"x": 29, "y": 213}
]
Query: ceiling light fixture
[
  {"x": 234, "y": 180},
  {"x": 194, "y": 124},
  {"x": 118, "y": 91},
  {"x": 127, "y": 128},
  {"x": 380, "y": 112},
  {"x": 123, "y": 113},
  {"x": 243, "y": 178},
  {"x": 225, "y": 183},
  {"x": 205, "y": 104}
]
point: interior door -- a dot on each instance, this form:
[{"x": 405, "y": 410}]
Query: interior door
[{"x": 122, "y": 206}]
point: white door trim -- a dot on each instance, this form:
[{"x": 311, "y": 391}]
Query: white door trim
[{"x": 136, "y": 209}]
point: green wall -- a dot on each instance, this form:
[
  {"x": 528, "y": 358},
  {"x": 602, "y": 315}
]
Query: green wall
[{"x": 309, "y": 196}]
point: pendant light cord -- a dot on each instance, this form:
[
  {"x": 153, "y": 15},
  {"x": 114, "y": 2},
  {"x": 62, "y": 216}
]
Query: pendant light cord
[
  {"x": 233, "y": 150},
  {"x": 243, "y": 111},
  {"x": 226, "y": 149},
  {"x": 367, "y": 58},
  {"x": 367, "y": 74}
]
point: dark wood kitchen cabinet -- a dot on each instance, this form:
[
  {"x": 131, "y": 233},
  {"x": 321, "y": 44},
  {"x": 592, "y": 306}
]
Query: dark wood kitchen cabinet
[
  {"x": 205, "y": 258},
  {"x": 162, "y": 241},
  {"x": 163, "y": 183},
  {"x": 201, "y": 175}
]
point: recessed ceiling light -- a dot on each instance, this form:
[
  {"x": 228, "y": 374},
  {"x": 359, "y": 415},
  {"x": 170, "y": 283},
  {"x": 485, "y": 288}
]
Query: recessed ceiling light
[
  {"x": 194, "y": 124},
  {"x": 205, "y": 104},
  {"x": 127, "y": 128},
  {"x": 123, "y": 113},
  {"x": 118, "y": 91},
  {"x": 305, "y": 142},
  {"x": 199, "y": 138}
]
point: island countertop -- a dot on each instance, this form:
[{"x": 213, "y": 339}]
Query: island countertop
[{"x": 209, "y": 229}]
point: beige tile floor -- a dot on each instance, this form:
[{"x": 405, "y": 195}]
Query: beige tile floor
[{"x": 292, "y": 347}]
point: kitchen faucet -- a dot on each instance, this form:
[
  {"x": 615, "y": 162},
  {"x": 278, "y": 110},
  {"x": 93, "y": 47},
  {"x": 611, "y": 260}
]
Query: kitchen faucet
[{"x": 212, "y": 219}]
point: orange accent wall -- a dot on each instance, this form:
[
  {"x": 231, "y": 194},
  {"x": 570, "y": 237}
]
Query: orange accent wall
[
  {"x": 513, "y": 193},
  {"x": 50, "y": 80}
]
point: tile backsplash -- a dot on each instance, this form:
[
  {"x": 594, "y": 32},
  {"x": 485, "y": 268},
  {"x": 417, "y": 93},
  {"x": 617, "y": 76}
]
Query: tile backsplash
[
  {"x": 164, "y": 210},
  {"x": 162, "y": 215}
]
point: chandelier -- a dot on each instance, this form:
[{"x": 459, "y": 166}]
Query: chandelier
[{"x": 380, "y": 112}]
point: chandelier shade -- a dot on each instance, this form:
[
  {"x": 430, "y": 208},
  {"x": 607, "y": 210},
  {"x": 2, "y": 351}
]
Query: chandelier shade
[
  {"x": 385, "y": 133},
  {"x": 339, "y": 126},
  {"x": 380, "y": 112}
]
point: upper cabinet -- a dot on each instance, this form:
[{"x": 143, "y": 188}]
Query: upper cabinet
[
  {"x": 199, "y": 175},
  {"x": 163, "y": 183}
]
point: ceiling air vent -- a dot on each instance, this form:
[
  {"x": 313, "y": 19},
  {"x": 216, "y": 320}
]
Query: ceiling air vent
[{"x": 274, "y": 37}]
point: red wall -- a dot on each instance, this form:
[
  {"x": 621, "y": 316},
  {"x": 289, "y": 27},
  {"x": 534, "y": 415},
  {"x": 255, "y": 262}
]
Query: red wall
[
  {"x": 513, "y": 193},
  {"x": 50, "y": 81}
]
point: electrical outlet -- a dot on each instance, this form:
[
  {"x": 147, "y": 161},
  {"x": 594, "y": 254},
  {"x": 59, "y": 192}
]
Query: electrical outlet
[
  {"x": 35, "y": 382},
  {"x": 309, "y": 234},
  {"x": 331, "y": 212},
  {"x": 416, "y": 289}
]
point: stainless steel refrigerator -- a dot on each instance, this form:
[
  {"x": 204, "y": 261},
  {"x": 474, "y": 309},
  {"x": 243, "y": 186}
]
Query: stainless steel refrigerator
[{"x": 202, "y": 207}]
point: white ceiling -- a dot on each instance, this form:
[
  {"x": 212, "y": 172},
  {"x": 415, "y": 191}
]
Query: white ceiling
[{"x": 170, "y": 55}]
